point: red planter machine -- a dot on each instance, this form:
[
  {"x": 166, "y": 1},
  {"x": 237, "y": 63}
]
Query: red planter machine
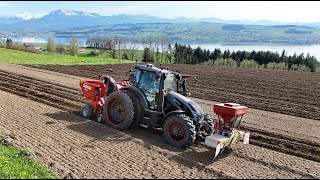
[{"x": 229, "y": 118}]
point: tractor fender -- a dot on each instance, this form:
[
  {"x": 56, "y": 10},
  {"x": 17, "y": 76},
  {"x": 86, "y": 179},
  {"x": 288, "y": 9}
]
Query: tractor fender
[
  {"x": 140, "y": 95},
  {"x": 172, "y": 112}
]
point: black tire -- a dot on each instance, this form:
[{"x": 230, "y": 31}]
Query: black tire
[
  {"x": 100, "y": 118},
  {"x": 138, "y": 111},
  {"x": 209, "y": 123},
  {"x": 177, "y": 122},
  {"x": 86, "y": 111},
  {"x": 116, "y": 102}
]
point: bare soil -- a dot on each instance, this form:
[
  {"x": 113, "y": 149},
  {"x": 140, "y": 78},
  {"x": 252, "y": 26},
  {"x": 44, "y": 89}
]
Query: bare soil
[
  {"x": 292, "y": 93},
  {"x": 76, "y": 147}
]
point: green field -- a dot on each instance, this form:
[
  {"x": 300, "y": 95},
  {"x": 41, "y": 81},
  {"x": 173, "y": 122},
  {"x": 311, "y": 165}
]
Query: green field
[
  {"x": 15, "y": 164},
  {"x": 20, "y": 57}
]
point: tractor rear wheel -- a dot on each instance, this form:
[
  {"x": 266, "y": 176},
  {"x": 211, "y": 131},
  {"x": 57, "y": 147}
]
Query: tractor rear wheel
[
  {"x": 179, "y": 130},
  {"x": 86, "y": 111},
  {"x": 137, "y": 109},
  {"x": 118, "y": 111}
]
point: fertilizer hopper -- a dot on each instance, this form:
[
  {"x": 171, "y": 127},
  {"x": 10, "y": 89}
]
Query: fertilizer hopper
[{"x": 227, "y": 126}]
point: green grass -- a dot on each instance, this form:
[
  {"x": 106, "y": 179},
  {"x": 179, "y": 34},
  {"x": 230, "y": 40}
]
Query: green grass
[
  {"x": 15, "y": 164},
  {"x": 20, "y": 57}
]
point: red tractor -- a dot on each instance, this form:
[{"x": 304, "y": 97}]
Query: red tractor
[{"x": 156, "y": 97}]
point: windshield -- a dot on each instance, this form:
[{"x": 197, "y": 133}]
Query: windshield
[{"x": 170, "y": 83}]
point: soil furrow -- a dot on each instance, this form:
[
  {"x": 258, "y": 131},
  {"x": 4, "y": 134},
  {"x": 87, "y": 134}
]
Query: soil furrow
[{"x": 263, "y": 140}]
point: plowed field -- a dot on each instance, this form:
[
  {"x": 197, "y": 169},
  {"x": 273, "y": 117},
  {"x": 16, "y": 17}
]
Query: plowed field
[
  {"x": 61, "y": 91},
  {"x": 292, "y": 93}
]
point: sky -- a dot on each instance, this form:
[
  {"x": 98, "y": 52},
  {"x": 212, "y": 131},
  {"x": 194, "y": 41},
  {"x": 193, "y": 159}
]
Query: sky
[{"x": 283, "y": 11}]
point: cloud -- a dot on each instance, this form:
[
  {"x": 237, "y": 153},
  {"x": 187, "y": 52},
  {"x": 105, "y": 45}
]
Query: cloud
[{"x": 4, "y": 4}]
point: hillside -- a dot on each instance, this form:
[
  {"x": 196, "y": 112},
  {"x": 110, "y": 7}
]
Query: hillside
[
  {"x": 207, "y": 32},
  {"x": 65, "y": 23}
]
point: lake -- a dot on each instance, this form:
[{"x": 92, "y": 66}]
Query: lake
[{"x": 290, "y": 49}]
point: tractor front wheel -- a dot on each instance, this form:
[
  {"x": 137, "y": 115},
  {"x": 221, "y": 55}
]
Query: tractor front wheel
[
  {"x": 179, "y": 130},
  {"x": 86, "y": 111},
  {"x": 118, "y": 111}
]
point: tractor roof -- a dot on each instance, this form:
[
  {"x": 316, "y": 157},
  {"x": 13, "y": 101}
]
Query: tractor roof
[{"x": 152, "y": 68}]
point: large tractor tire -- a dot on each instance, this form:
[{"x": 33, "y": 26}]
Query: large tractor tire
[
  {"x": 138, "y": 111},
  {"x": 118, "y": 111},
  {"x": 208, "y": 125},
  {"x": 179, "y": 130},
  {"x": 86, "y": 111}
]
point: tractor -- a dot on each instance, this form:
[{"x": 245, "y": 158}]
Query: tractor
[
  {"x": 153, "y": 100},
  {"x": 158, "y": 98}
]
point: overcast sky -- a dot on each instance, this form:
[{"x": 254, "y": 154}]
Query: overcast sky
[{"x": 285, "y": 11}]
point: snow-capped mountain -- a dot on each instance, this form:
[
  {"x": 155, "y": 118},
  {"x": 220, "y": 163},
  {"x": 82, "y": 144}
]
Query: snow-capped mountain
[
  {"x": 67, "y": 19},
  {"x": 24, "y": 16},
  {"x": 72, "y": 13}
]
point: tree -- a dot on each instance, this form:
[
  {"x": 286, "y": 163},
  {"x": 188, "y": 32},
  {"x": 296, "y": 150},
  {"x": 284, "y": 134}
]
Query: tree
[
  {"x": 51, "y": 46},
  {"x": 133, "y": 47},
  {"x": 164, "y": 41},
  {"x": 157, "y": 55},
  {"x": 60, "y": 49},
  {"x": 226, "y": 54},
  {"x": 125, "y": 55},
  {"x": 217, "y": 54},
  {"x": 150, "y": 41},
  {"x": 118, "y": 42},
  {"x": 146, "y": 55},
  {"x": 198, "y": 54},
  {"x": 168, "y": 55},
  {"x": 9, "y": 44},
  {"x": 113, "y": 48},
  {"x": 26, "y": 46},
  {"x": 74, "y": 46}
]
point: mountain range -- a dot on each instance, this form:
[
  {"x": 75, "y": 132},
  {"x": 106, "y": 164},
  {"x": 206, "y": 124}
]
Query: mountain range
[{"x": 69, "y": 19}]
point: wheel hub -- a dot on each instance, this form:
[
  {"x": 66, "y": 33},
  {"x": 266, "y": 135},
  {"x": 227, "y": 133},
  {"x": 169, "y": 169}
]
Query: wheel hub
[
  {"x": 177, "y": 131},
  {"x": 85, "y": 112},
  {"x": 117, "y": 112}
]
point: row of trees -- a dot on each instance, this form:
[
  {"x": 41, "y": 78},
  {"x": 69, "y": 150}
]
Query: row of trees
[
  {"x": 187, "y": 55},
  {"x": 127, "y": 48},
  {"x": 73, "y": 46},
  {"x": 158, "y": 49},
  {"x": 51, "y": 46},
  {"x": 114, "y": 45},
  {"x": 27, "y": 47}
]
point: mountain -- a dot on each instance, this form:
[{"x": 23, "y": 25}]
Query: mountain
[
  {"x": 5, "y": 20},
  {"x": 66, "y": 19},
  {"x": 71, "y": 19},
  {"x": 60, "y": 19}
]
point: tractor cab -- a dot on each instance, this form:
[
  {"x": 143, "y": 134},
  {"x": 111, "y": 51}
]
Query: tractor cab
[
  {"x": 156, "y": 83},
  {"x": 152, "y": 99}
]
